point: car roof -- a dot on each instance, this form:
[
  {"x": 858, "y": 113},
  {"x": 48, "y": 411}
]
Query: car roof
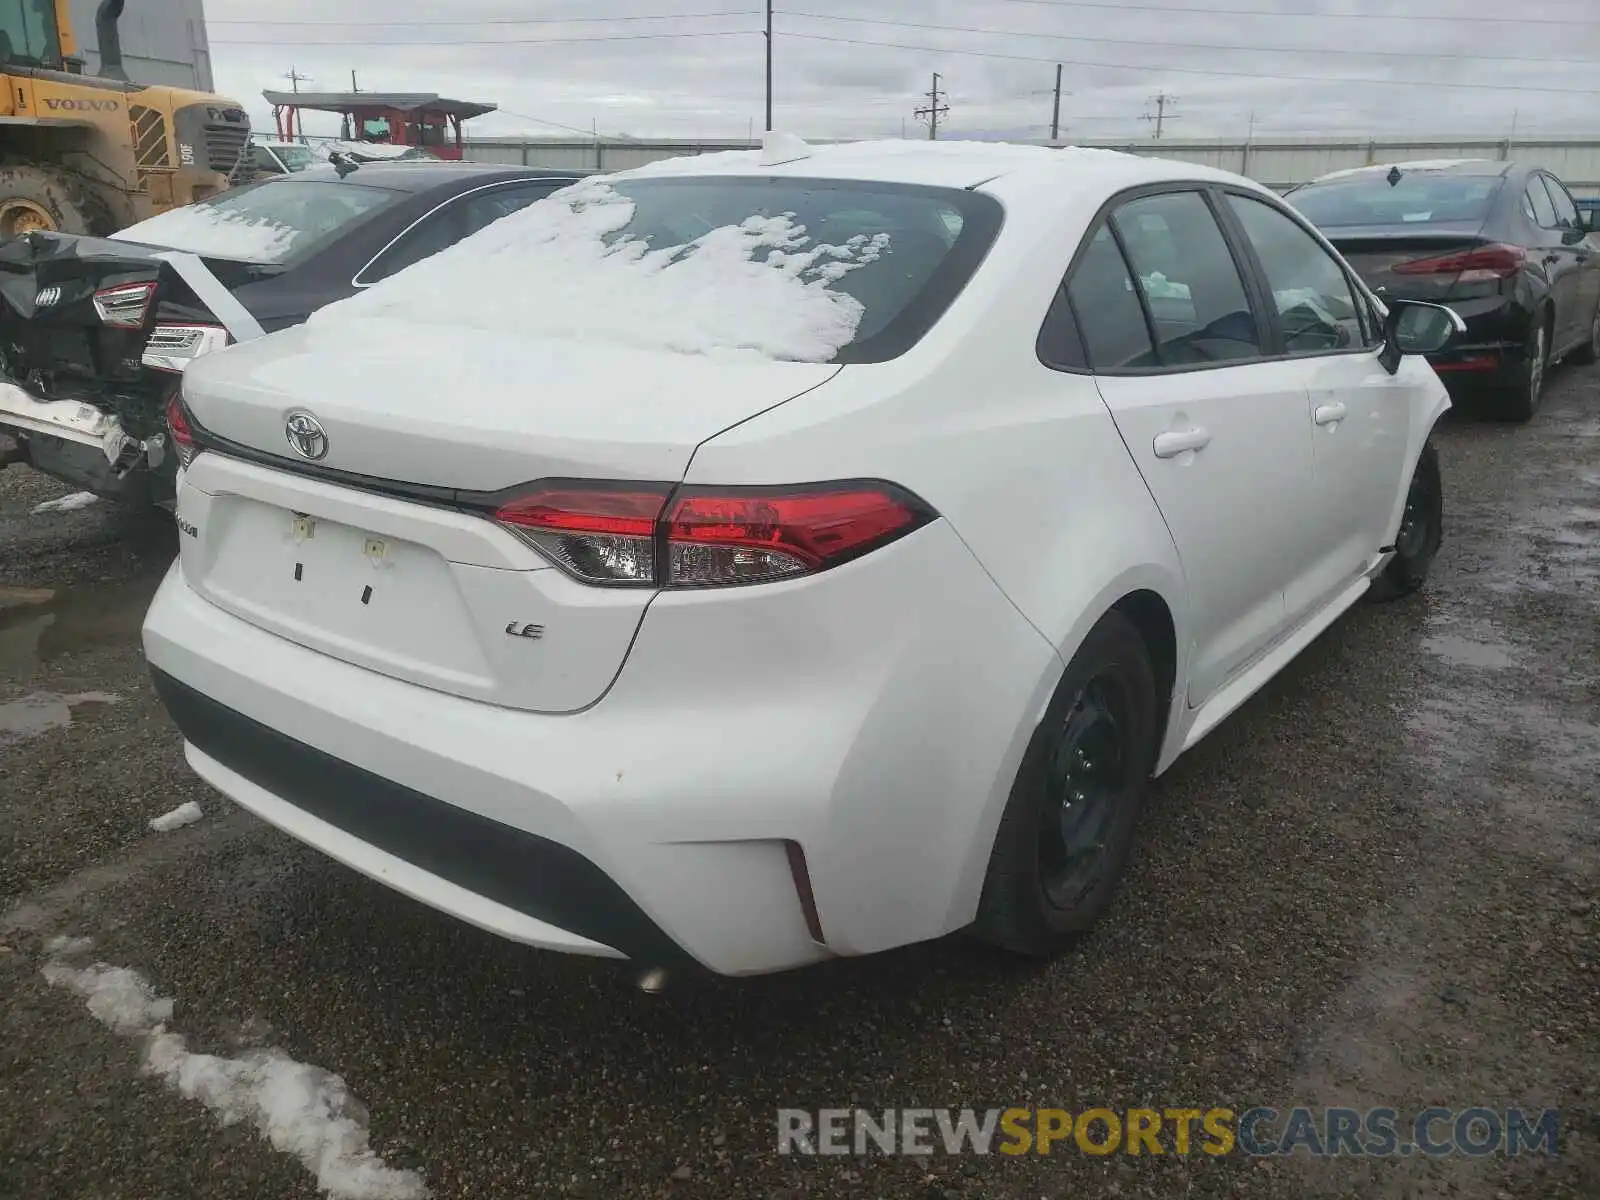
[
  {"x": 941, "y": 164},
  {"x": 421, "y": 175},
  {"x": 1433, "y": 166}
]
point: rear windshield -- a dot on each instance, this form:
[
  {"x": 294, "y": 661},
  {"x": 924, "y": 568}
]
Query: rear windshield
[
  {"x": 881, "y": 245},
  {"x": 1422, "y": 198},
  {"x": 787, "y": 269},
  {"x": 272, "y": 222}
]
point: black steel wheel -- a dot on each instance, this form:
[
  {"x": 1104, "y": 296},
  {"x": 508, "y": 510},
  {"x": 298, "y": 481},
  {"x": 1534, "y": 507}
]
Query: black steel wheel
[
  {"x": 1067, "y": 828},
  {"x": 1421, "y": 531}
]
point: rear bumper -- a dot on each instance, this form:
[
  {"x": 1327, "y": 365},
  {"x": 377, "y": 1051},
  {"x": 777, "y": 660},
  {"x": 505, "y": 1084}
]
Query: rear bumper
[
  {"x": 836, "y": 715},
  {"x": 1493, "y": 351},
  {"x": 86, "y": 447}
]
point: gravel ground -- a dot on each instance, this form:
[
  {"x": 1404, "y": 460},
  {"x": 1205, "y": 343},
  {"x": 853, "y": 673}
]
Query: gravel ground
[{"x": 1378, "y": 884}]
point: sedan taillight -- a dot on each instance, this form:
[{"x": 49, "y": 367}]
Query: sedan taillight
[
  {"x": 181, "y": 430},
  {"x": 173, "y": 347},
  {"x": 1480, "y": 265},
  {"x": 648, "y": 535},
  {"x": 124, "y": 306}
]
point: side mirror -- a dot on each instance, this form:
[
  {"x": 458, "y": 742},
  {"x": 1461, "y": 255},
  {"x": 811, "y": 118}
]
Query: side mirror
[{"x": 1413, "y": 327}]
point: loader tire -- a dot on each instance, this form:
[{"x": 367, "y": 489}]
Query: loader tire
[{"x": 49, "y": 199}]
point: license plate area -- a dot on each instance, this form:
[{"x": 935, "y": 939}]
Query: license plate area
[{"x": 370, "y": 598}]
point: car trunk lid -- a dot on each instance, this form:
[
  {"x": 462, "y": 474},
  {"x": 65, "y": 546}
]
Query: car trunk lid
[
  {"x": 55, "y": 340},
  {"x": 384, "y": 551},
  {"x": 1386, "y": 257}
]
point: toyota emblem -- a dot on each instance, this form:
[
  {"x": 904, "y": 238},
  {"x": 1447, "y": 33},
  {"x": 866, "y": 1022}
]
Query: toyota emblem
[{"x": 306, "y": 435}]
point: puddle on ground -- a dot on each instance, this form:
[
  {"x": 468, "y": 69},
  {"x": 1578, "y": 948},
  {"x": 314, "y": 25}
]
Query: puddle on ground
[
  {"x": 72, "y": 620},
  {"x": 41, "y": 712},
  {"x": 1464, "y": 652}
]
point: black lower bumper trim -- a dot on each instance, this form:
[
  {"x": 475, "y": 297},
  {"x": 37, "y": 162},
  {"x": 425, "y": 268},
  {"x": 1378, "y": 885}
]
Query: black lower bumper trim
[{"x": 533, "y": 875}]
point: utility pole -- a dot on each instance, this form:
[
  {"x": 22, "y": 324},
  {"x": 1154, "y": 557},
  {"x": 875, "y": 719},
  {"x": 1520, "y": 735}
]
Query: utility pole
[
  {"x": 769, "y": 66},
  {"x": 934, "y": 110},
  {"x": 296, "y": 79},
  {"x": 353, "y": 86},
  {"x": 1055, "y": 113},
  {"x": 1160, "y": 100}
]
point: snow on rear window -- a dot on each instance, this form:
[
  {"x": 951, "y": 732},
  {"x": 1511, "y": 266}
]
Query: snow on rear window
[
  {"x": 266, "y": 223},
  {"x": 780, "y": 270}
]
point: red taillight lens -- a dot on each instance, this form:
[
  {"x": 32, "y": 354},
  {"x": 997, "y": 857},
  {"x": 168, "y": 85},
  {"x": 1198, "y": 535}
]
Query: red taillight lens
[
  {"x": 621, "y": 535},
  {"x": 179, "y": 427},
  {"x": 716, "y": 538},
  {"x": 124, "y": 306},
  {"x": 1497, "y": 261},
  {"x": 602, "y": 534}
]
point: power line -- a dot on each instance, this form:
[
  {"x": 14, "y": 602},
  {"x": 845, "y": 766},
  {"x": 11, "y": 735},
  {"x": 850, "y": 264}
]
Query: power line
[
  {"x": 432, "y": 43},
  {"x": 1073, "y": 37},
  {"x": 1432, "y": 18},
  {"x": 1162, "y": 68},
  {"x": 455, "y": 22}
]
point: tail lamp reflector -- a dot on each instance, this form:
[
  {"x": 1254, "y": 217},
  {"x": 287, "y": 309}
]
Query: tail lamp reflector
[
  {"x": 651, "y": 536},
  {"x": 1482, "y": 264}
]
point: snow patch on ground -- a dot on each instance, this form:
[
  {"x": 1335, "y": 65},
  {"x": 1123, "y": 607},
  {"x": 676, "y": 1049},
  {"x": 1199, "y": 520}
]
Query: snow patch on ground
[
  {"x": 184, "y": 814},
  {"x": 70, "y": 503},
  {"x": 42, "y": 712},
  {"x": 202, "y": 229},
  {"x": 563, "y": 268},
  {"x": 301, "y": 1109}
]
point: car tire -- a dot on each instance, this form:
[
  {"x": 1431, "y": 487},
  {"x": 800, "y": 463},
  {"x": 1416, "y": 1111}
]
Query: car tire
[
  {"x": 1053, "y": 871},
  {"x": 1588, "y": 353},
  {"x": 1420, "y": 535},
  {"x": 1520, "y": 401}
]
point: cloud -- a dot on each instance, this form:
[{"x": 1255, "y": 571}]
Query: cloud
[{"x": 1351, "y": 67}]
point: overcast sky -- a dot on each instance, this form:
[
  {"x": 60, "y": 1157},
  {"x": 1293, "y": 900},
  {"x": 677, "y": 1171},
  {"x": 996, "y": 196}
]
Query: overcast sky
[{"x": 1350, "y": 67}]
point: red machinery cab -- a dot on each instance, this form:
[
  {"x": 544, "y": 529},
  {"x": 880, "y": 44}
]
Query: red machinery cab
[{"x": 422, "y": 120}]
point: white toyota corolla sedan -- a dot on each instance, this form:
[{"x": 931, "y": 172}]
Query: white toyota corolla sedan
[{"x": 771, "y": 556}]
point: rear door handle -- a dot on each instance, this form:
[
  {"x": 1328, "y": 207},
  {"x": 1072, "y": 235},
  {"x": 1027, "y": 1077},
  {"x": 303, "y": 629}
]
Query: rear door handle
[
  {"x": 1329, "y": 414},
  {"x": 1170, "y": 445}
]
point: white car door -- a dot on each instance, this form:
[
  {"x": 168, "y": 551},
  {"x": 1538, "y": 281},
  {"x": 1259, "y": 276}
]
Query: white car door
[
  {"x": 1218, "y": 432},
  {"x": 1359, "y": 416}
]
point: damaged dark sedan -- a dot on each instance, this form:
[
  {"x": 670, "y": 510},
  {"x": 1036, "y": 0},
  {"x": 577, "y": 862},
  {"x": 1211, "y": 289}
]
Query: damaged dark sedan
[{"x": 95, "y": 333}]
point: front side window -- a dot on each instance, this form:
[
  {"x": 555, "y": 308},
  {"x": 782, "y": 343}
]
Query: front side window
[
  {"x": 1315, "y": 303},
  {"x": 28, "y": 33},
  {"x": 1191, "y": 285}
]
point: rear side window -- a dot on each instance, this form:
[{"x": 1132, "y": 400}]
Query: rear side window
[
  {"x": 1110, "y": 318},
  {"x": 1544, "y": 213},
  {"x": 456, "y": 219},
  {"x": 1411, "y": 198},
  {"x": 1190, "y": 283},
  {"x": 1566, "y": 210},
  {"x": 1316, "y": 305}
]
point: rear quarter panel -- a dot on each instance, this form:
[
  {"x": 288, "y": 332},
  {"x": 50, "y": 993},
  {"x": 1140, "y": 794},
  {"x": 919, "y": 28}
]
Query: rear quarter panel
[{"x": 1024, "y": 463}]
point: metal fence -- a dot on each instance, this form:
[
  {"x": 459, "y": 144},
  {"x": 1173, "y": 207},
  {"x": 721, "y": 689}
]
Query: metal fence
[{"x": 1278, "y": 163}]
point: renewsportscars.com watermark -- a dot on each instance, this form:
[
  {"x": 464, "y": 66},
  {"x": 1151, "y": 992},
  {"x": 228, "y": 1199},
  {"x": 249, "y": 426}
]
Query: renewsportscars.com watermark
[{"x": 1319, "y": 1133}]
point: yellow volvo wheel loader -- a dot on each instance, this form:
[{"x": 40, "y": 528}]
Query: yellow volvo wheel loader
[{"x": 92, "y": 154}]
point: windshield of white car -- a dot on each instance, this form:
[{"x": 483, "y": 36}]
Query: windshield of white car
[
  {"x": 296, "y": 158},
  {"x": 1417, "y": 197},
  {"x": 269, "y": 223}
]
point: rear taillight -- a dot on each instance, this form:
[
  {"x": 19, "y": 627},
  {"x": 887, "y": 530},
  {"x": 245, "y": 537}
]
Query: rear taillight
[
  {"x": 124, "y": 306},
  {"x": 1480, "y": 265},
  {"x": 652, "y": 536},
  {"x": 174, "y": 347},
  {"x": 181, "y": 430}
]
